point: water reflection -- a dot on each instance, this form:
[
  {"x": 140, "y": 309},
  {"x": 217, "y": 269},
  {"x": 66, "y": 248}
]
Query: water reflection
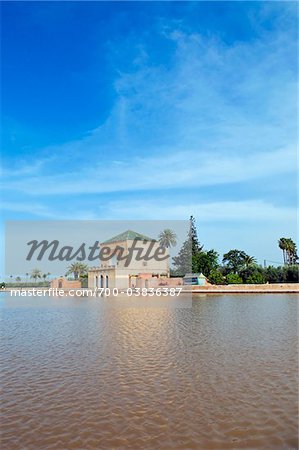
[{"x": 89, "y": 374}]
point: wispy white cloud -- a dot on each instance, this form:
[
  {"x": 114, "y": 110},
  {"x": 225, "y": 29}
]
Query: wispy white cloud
[
  {"x": 168, "y": 171},
  {"x": 34, "y": 208},
  {"x": 248, "y": 211},
  {"x": 210, "y": 98},
  {"x": 23, "y": 168},
  {"x": 40, "y": 211},
  {"x": 213, "y": 115}
]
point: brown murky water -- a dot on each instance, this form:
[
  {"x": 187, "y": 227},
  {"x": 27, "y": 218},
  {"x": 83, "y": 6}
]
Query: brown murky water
[{"x": 88, "y": 374}]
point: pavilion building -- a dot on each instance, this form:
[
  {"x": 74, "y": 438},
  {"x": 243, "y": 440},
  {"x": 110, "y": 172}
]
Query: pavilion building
[{"x": 116, "y": 273}]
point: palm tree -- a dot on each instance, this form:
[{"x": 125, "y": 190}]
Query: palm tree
[
  {"x": 167, "y": 238},
  {"x": 249, "y": 261},
  {"x": 283, "y": 246},
  {"x": 35, "y": 274},
  {"x": 294, "y": 254},
  {"x": 77, "y": 269},
  {"x": 289, "y": 250}
]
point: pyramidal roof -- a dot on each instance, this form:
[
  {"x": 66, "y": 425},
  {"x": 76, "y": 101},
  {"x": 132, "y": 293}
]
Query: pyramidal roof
[{"x": 128, "y": 235}]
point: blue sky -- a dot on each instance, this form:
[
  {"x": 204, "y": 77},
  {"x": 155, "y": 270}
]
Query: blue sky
[{"x": 153, "y": 110}]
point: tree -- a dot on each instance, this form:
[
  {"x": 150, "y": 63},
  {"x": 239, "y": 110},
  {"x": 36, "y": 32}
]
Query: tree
[
  {"x": 249, "y": 261},
  {"x": 247, "y": 272},
  {"x": 205, "y": 262},
  {"x": 167, "y": 238},
  {"x": 234, "y": 260},
  {"x": 234, "y": 278},
  {"x": 186, "y": 261},
  {"x": 289, "y": 250},
  {"x": 286, "y": 274},
  {"x": 282, "y": 246},
  {"x": 273, "y": 274},
  {"x": 77, "y": 269},
  {"x": 183, "y": 262},
  {"x": 35, "y": 274},
  {"x": 18, "y": 279},
  {"x": 291, "y": 274},
  {"x": 256, "y": 278},
  {"x": 195, "y": 245},
  {"x": 216, "y": 277}
]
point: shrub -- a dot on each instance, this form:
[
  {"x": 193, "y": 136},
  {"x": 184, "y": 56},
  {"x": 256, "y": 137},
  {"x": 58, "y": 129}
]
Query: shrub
[
  {"x": 256, "y": 278},
  {"x": 233, "y": 278},
  {"x": 291, "y": 274},
  {"x": 286, "y": 274},
  {"x": 274, "y": 274},
  {"x": 216, "y": 277}
]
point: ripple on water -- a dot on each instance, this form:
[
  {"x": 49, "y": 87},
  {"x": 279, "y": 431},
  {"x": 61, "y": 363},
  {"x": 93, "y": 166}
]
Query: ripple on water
[{"x": 221, "y": 374}]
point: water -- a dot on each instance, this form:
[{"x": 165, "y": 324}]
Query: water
[{"x": 89, "y": 374}]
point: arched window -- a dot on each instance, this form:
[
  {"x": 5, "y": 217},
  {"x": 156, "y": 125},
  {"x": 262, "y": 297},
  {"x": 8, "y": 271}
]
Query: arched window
[
  {"x": 107, "y": 281},
  {"x": 102, "y": 281}
]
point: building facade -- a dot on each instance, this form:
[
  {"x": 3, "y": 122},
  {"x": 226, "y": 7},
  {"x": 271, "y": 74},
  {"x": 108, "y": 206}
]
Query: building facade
[
  {"x": 63, "y": 283},
  {"x": 135, "y": 257}
]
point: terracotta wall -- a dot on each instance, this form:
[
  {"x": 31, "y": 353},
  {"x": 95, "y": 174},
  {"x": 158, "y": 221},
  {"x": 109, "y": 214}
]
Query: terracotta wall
[
  {"x": 283, "y": 287},
  {"x": 155, "y": 282},
  {"x": 62, "y": 283}
]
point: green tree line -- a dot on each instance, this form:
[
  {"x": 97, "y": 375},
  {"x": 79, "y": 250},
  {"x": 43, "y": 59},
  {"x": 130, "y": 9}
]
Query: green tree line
[{"x": 237, "y": 266}]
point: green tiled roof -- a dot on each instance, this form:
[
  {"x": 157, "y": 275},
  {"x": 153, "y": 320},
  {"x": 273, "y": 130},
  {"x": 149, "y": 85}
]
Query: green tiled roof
[{"x": 128, "y": 235}]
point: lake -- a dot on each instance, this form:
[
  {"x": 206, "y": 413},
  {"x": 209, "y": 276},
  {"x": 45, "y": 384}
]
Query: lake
[{"x": 219, "y": 372}]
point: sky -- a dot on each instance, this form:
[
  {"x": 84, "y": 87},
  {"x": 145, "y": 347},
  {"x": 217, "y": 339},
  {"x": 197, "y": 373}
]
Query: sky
[{"x": 153, "y": 111}]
